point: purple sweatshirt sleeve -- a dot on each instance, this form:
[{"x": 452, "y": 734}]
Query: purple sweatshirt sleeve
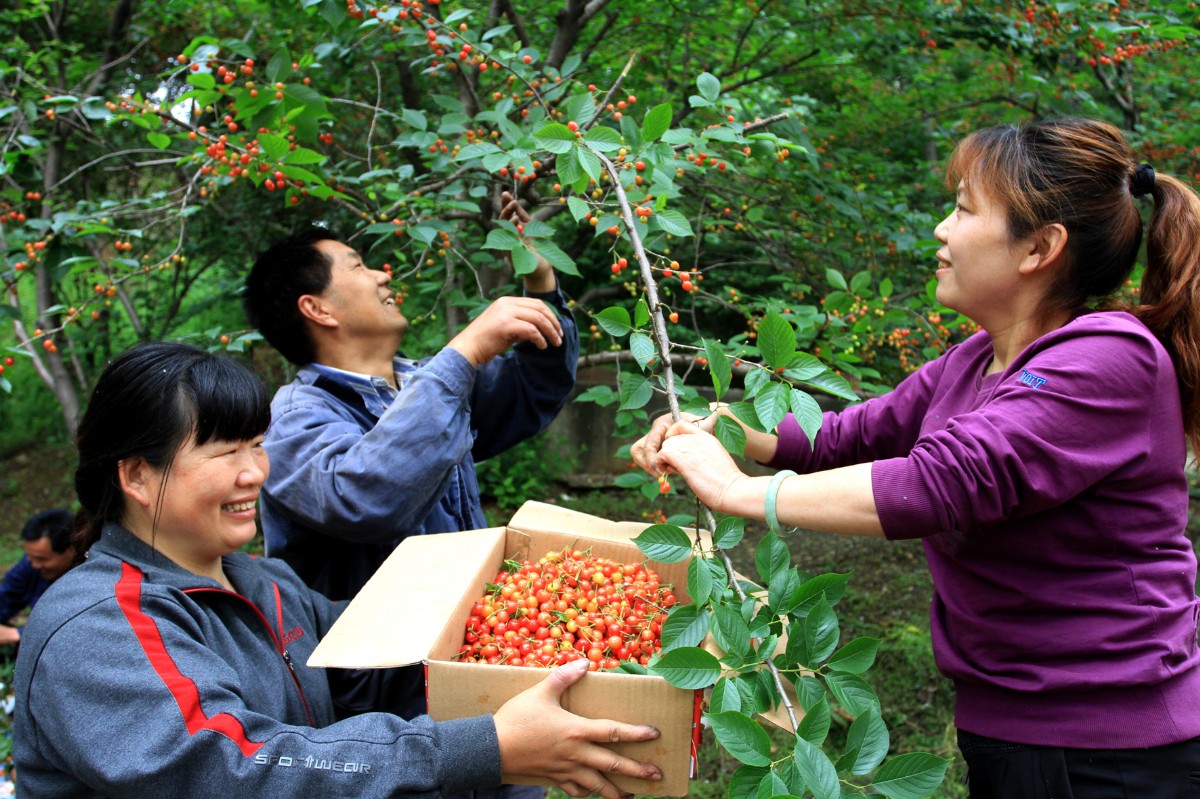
[
  {"x": 1064, "y": 416},
  {"x": 881, "y": 427}
]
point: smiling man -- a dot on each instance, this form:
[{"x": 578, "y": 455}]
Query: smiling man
[
  {"x": 367, "y": 447},
  {"x": 48, "y": 555}
]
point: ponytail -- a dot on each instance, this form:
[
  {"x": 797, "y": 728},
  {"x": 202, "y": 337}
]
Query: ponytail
[{"x": 1170, "y": 295}]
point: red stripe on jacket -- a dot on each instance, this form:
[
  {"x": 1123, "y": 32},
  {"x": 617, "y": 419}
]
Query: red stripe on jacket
[{"x": 182, "y": 688}]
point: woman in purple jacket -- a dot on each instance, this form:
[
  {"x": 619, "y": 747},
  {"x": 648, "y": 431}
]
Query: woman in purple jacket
[{"x": 1042, "y": 463}]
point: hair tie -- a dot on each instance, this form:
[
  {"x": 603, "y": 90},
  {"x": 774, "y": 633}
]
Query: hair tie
[{"x": 1141, "y": 182}]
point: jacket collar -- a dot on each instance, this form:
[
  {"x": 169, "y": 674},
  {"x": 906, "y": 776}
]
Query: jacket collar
[{"x": 123, "y": 545}]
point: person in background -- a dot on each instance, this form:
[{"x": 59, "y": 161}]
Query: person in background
[
  {"x": 170, "y": 663},
  {"x": 1042, "y": 462},
  {"x": 48, "y": 555}
]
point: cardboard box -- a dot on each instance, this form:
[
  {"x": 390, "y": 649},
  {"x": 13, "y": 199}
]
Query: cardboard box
[{"x": 425, "y": 591}]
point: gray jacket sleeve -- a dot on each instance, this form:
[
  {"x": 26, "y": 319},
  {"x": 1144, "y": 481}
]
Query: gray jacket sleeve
[{"x": 169, "y": 719}]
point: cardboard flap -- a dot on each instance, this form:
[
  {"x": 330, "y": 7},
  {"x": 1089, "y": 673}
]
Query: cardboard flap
[
  {"x": 536, "y": 516},
  {"x": 401, "y": 611}
]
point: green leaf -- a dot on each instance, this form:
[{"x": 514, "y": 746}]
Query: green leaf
[
  {"x": 578, "y": 208},
  {"x": 202, "y": 80},
  {"x": 273, "y": 146},
  {"x": 478, "y": 150},
  {"x": 810, "y": 691},
  {"x": 709, "y": 86},
  {"x": 423, "y": 233},
  {"x": 570, "y": 172},
  {"x": 852, "y": 691},
  {"x": 771, "y": 557},
  {"x": 689, "y": 668},
  {"x": 642, "y": 348},
  {"x": 729, "y": 532},
  {"x": 745, "y": 781},
  {"x": 657, "y": 120},
  {"x": 834, "y": 384},
  {"x": 774, "y": 786},
  {"x": 590, "y": 163},
  {"x": 686, "y": 626},
  {"x": 674, "y": 223},
  {"x": 632, "y": 479},
  {"x": 604, "y": 140},
  {"x": 817, "y": 770},
  {"x": 856, "y": 656},
  {"x": 555, "y": 137},
  {"x": 754, "y": 383},
  {"x": 561, "y": 262},
  {"x": 724, "y": 697},
  {"x": 771, "y": 404},
  {"x": 821, "y": 633},
  {"x": 718, "y": 367},
  {"x": 808, "y": 413},
  {"x": 601, "y": 395},
  {"x": 636, "y": 391},
  {"x": 641, "y": 313},
  {"x": 615, "y": 320},
  {"x": 731, "y": 435},
  {"x": 414, "y": 118},
  {"x": 814, "y": 727},
  {"x": 869, "y": 735},
  {"x": 860, "y": 282},
  {"x": 502, "y": 239},
  {"x": 836, "y": 279},
  {"x": 742, "y": 737},
  {"x": 776, "y": 340},
  {"x": 524, "y": 261},
  {"x": 731, "y": 631},
  {"x": 159, "y": 140},
  {"x": 911, "y": 776},
  {"x": 831, "y": 585},
  {"x": 700, "y": 581},
  {"x": 665, "y": 543},
  {"x": 781, "y": 588},
  {"x": 303, "y": 155},
  {"x": 745, "y": 413}
]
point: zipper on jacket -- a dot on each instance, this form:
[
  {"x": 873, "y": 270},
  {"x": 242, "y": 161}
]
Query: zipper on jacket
[{"x": 277, "y": 640}]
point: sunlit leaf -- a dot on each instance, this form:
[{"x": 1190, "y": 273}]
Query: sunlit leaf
[
  {"x": 686, "y": 626},
  {"x": 689, "y": 668},
  {"x": 741, "y": 737},
  {"x": 665, "y": 543}
]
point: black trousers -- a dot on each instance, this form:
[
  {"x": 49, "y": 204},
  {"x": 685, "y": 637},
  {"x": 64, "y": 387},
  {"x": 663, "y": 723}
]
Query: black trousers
[{"x": 1003, "y": 770}]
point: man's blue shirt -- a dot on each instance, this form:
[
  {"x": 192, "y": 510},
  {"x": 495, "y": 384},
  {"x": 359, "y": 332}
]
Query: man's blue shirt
[
  {"x": 356, "y": 466},
  {"x": 23, "y": 586}
]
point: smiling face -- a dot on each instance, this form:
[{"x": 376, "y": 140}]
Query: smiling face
[
  {"x": 979, "y": 261},
  {"x": 45, "y": 560},
  {"x": 207, "y": 509},
  {"x": 359, "y": 298}
]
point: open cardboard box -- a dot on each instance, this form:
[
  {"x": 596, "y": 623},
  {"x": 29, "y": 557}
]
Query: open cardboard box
[{"x": 425, "y": 590}]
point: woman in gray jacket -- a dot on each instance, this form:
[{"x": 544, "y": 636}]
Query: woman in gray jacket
[{"x": 170, "y": 664}]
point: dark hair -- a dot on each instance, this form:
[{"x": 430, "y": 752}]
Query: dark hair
[
  {"x": 279, "y": 278},
  {"x": 1082, "y": 174},
  {"x": 146, "y": 404},
  {"x": 54, "y": 524}
]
